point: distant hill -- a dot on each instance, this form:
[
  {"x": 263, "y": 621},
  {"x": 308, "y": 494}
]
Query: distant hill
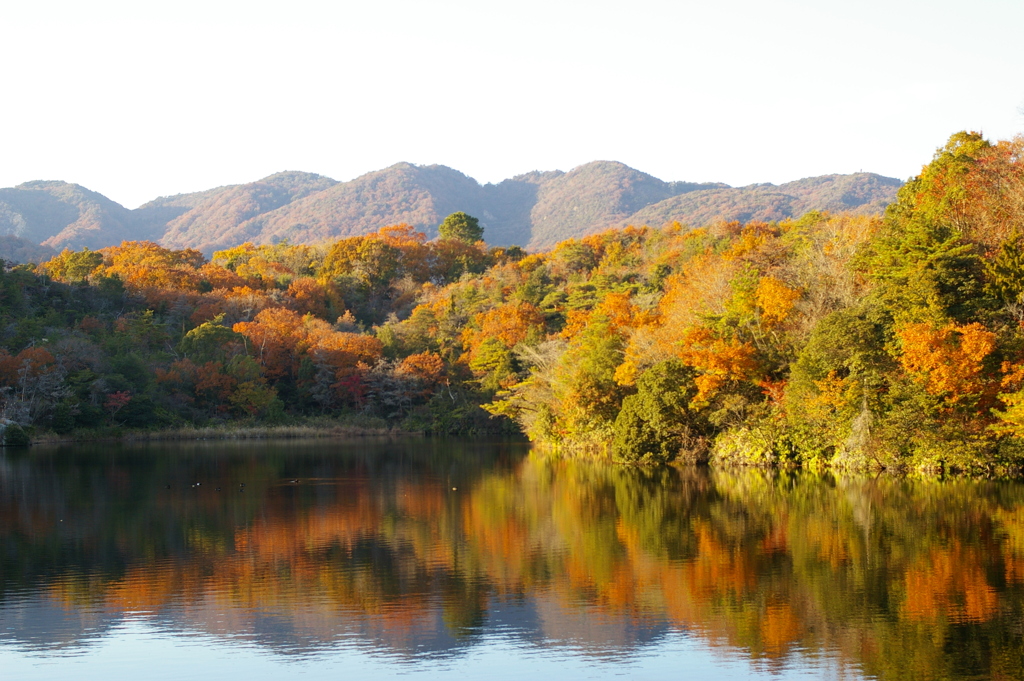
[
  {"x": 595, "y": 196},
  {"x": 15, "y": 250},
  {"x": 59, "y": 215},
  {"x": 221, "y": 218},
  {"x": 153, "y": 218},
  {"x": 535, "y": 210},
  {"x": 859, "y": 193},
  {"x": 418, "y": 195}
]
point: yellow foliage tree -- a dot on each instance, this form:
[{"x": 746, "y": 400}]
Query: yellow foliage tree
[{"x": 775, "y": 300}]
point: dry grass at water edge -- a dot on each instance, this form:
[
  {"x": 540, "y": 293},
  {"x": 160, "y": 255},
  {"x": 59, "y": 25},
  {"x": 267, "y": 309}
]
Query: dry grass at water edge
[{"x": 293, "y": 432}]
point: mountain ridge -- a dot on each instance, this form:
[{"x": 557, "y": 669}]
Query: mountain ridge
[{"x": 535, "y": 210}]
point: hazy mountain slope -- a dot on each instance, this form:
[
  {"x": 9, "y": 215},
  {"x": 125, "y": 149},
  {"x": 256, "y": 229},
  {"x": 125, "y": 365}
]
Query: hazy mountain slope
[
  {"x": 593, "y": 197},
  {"x": 699, "y": 208},
  {"x": 14, "y": 249},
  {"x": 418, "y": 195},
  {"x": 536, "y": 209},
  {"x": 215, "y": 220},
  {"x": 151, "y": 219},
  {"x": 505, "y": 216},
  {"x": 63, "y": 215},
  {"x": 861, "y": 193}
]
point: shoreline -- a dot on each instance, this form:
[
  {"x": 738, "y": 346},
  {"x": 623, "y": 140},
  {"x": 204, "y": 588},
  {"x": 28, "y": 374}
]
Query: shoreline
[
  {"x": 224, "y": 432},
  {"x": 325, "y": 431},
  {"x": 1000, "y": 471}
]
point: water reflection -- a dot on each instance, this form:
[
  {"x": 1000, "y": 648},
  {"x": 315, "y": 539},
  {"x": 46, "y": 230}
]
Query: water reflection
[{"x": 431, "y": 549}]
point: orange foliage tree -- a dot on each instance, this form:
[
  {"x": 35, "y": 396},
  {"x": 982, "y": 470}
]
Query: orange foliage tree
[
  {"x": 949, "y": 361},
  {"x": 509, "y": 323},
  {"x": 718, "y": 360},
  {"x": 275, "y": 334},
  {"x": 775, "y": 299},
  {"x": 146, "y": 265}
]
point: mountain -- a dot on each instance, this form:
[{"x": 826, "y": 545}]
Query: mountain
[
  {"x": 15, "y": 250},
  {"x": 593, "y": 197},
  {"x": 535, "y": 210},
  {"x": 63, "y": 215},
  {"x": 858, "y": 193},
  {"x": 218, "y": 219},
  {"x": 153, "y": 218},
  {"x": 418, "y": 195}
]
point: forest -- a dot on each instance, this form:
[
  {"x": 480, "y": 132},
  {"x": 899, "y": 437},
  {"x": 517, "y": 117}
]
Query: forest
[{"x": 846, "y": 340}]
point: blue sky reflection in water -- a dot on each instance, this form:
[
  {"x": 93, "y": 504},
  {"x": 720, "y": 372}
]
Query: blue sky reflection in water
[
  {"x": 139, "y": 648},
  {"x": 439, "y": 558}
]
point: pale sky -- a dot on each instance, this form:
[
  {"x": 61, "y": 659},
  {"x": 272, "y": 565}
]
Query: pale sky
[{"x": 141, "y": 99}]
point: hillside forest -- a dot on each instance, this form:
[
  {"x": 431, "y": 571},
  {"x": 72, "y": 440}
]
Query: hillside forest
[{"x": 851, "y": 340}]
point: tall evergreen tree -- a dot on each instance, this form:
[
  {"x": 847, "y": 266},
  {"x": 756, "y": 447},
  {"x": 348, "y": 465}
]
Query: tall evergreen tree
[{"x": 461, "y": 227}]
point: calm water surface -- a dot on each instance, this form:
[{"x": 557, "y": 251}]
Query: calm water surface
[{"x": 430, "y": 559}]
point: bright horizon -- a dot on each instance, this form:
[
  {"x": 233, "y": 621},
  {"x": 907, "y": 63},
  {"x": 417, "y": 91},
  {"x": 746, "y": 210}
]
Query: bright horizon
[{"x": 137, "y": 102}]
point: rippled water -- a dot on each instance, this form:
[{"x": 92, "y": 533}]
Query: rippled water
[{"x": 440, "y": 558}]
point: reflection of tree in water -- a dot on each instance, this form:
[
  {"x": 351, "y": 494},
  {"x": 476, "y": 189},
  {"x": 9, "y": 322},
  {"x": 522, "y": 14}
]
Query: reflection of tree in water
[{"x": 374, "y": 542}]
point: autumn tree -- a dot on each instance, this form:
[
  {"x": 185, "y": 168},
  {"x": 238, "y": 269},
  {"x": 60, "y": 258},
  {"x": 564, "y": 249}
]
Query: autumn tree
[
  {"x": 273, "y": 336},
  {"x": 73, "y": 266},
  {"x": 146, "y": 265},
  {"x": 948, "y": 361},
  {"x": 452, "y": 258}
]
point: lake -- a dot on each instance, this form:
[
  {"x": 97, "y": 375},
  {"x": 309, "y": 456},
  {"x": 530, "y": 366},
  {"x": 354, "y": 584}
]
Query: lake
[{"x": 439, "y": 558}]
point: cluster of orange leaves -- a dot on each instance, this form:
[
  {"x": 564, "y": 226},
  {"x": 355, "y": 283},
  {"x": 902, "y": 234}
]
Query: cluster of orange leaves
[
  {"x": 279, "y": 337},
  {"x": 146, "y": 265},
  {"x": 718, "y": 359},
  {"x": 509, "y": 323},
  {"x": 948, "y": 361},
  {"x": 30, "y": 363},
  {"x": 620, "y": 311},
  {"x": 775, "y": 299},
  {"x": 752, "y": 237},
  {"x": 426, "y": 366}
]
